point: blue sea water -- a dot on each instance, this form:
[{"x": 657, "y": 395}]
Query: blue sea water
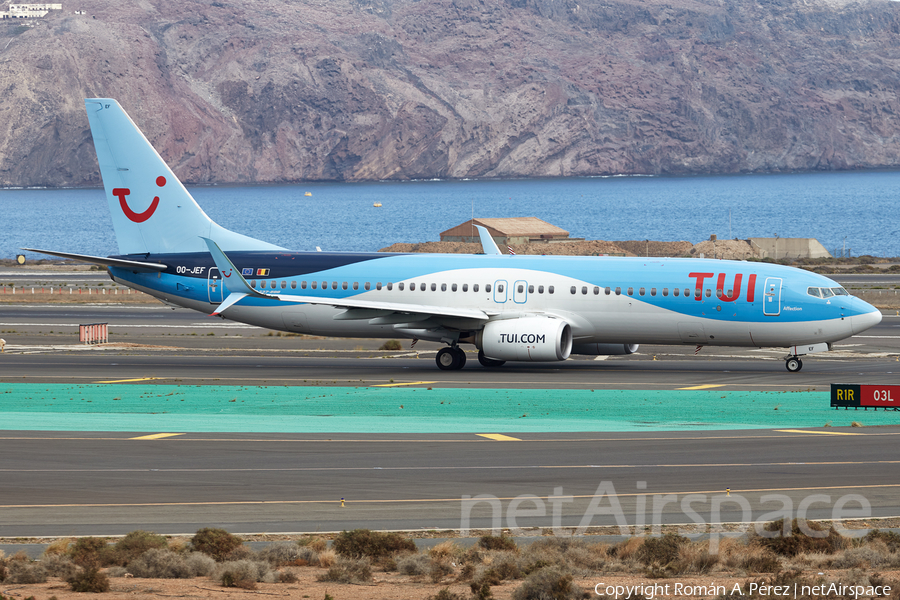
[{"x": 856, "y": 210}]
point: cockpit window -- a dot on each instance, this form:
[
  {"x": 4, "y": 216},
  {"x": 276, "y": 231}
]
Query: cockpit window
[
  {"x": 839, "y": 291},
  {"x": 814, "y": 292},
  {"x": 827, "y": 293}
]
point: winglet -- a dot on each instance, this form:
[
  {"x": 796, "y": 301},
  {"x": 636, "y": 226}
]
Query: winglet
[
  {"x": 232, "y": 277},
  {"x": 487, "y": 242}
]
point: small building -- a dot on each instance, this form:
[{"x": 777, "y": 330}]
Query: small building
[
  {"x": 777, "y": 248},
  {"x": 30, "y": 11},
  {"x": 515, "y": 230}
]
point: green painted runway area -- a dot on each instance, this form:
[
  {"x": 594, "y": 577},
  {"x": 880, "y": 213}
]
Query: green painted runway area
[{"x": 181, "y": 408}]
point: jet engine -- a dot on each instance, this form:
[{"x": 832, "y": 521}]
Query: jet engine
[
  {"x": 604, "y": 349},
  {"x": 526, "y": 339}
]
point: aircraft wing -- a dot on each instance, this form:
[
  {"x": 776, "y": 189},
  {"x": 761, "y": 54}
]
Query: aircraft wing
[
  {"x": 382, "y": 312},
  {"x": 134, "y": 265}
]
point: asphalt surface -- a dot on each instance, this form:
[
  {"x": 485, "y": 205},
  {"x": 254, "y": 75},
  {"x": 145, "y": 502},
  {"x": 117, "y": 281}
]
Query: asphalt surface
[
  {"x": 84, "y": 483},
  {"x": 88, "y": 483}
]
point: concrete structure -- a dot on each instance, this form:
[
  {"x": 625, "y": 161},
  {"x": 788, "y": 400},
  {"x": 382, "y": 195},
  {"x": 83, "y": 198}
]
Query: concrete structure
[
  {"x": 777, "y": 248},
  {"x": 516, "y": 230},
  {"x": 28, "y": 11}
]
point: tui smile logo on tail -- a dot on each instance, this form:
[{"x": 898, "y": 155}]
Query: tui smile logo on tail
[{"x": 120, "y": 193}]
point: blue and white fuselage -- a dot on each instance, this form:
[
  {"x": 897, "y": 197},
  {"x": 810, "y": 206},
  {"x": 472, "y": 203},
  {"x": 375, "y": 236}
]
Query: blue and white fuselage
[{"x": 532, "y": 308}]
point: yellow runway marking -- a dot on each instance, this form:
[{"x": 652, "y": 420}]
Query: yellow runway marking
[
  {"x": 818, "y": 432},
  {"x": 155, "y": 436},
  {"x": 426, "y": 500},
  {"x": 703, "y": 387},
  {"x": 499, "y": 437},
  {"x": 128, "y": 380},
  {"x": 399, "y": 384}
]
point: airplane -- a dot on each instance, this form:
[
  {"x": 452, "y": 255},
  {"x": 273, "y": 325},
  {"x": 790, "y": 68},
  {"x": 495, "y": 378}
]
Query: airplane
[{"x": 511, "y": 308}]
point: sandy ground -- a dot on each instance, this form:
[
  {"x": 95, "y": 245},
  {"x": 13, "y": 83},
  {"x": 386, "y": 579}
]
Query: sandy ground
[{"x": 393, "y": 586}]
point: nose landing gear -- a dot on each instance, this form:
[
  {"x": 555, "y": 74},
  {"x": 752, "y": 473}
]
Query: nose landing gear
[{"x": 793, "y": 364}]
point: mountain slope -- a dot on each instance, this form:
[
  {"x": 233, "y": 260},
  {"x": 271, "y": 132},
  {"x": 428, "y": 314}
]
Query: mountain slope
[{"x": 275, "y": 91}]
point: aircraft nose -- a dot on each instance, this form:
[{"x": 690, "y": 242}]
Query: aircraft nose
[{"x": 868, "y": 316}]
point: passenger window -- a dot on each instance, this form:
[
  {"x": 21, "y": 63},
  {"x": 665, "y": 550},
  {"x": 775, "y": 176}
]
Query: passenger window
[
  {"x": 302, "y": 285},
  {"x": 596, "y": 291},
  {"x": 675, "y": 292},
  {"x": 550, "y": 289},
  {"x": 687, "y": 292},
  {"x": 718, "y": 293},
  {"x": 584, "y": 290},
  {"x": 378, "y": 286},
  {"x": 400, "y": 286},
  {"x": 641, "y": 291},
  {"x": 708, "y": 292},
  {"x": 433, "y": 287},
  {"x": 540, "y": 289},
  {"x": 355, "y": 285},
  {"x": 412, "y": 287},
  {"x": 618, "y": 291},
  {"x": 344, "y": 286},
  {"x": 368, "y": 286},
  {"x": 293, "y": 285},
  {"x": 324, "y": 285},
  {"x": 487, "y": 288},
  {"x": 253, "y": 283},
  {"x": 530, "y": 289},
  {"x": 607, "y": 290},
  {"x": 499, "y": 288},
  {"x": 475, "y": 287},
  {"x": 334, "y": 285},
  {"x": 443, "y": 287},
  {"x": 390, "y": 286},
  {"x": 453, "y": 287},
  {"x": 572, "y": 289},
  {"x": 697, "y": 293},
  {"x": 422, "y": 286},
  {"x": 652, "y": 291},
  {"x": 315, "y": 285},
  {"x": 284, "y": 285},
  {"x": 665, "y": 291},
  {"x": 465, "y": 287},
  {"x": 631, "y": 291},
  {"x": 521, "y": 288}
]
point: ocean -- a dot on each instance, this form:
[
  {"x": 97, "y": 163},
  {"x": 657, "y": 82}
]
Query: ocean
[{"x": 852, "y": 210}]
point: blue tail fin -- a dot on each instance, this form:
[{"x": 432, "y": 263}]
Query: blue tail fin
[{"x": 152, "y": 212}]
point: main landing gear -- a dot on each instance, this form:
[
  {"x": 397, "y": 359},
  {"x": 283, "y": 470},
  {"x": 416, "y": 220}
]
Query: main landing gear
[
  {"x": 793, "y": 364},
  {"x": 450, "y": 358}
]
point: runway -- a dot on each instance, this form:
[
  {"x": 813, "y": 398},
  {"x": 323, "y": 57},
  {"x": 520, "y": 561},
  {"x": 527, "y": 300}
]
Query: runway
[
  {"x": 100, "y": 484},
  {"x": 105, "y": 482}
]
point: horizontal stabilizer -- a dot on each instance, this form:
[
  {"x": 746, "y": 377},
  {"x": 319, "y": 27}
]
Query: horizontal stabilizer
[{"x": 134, "y": 265}]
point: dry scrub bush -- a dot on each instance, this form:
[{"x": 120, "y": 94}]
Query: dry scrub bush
[
  {"x": 374, "y": 544},
  {"x": 413, "y": 564},
  {"x": 349, "y": 570},
  {"x": 626, "y": 549},
  {"x": 279, "y": 555},
  {"x": 548, "y": 583},
  {"x": 327, "y": 558},
  {"x": 89, "y": 580},
  {"x": 216, "y": 543},
  {"x": 25, "y": 571},
  {"x": 132, "y": 546},
  {"x": 446, "y": 594},
  {"x": 158, "y": 563},
  {"x": 791, "y": 540},
  {"x": 438, "y": 569},
  {"x": 505, "y": 564},
  {"x": 498, "y": 542},
  {"x": 872, "y": 555},
  {"x": 59, "y": 565},
  {"x": 242, "y": 573},
  {"x": 446, "y": 549},
  {"x": 59, "y": 547},
  {"x": 573, "y": 555},
  {"x": 86, "y": 551},
  {"x": 316, "y": 544}
]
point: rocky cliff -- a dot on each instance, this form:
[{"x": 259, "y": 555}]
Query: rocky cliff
[{"x": 278, "y": 91}]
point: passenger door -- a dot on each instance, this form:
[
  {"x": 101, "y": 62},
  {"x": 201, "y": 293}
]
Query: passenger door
[
  {"x": 772, "y": 297},
  {"x": 214, "y": 284}
]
